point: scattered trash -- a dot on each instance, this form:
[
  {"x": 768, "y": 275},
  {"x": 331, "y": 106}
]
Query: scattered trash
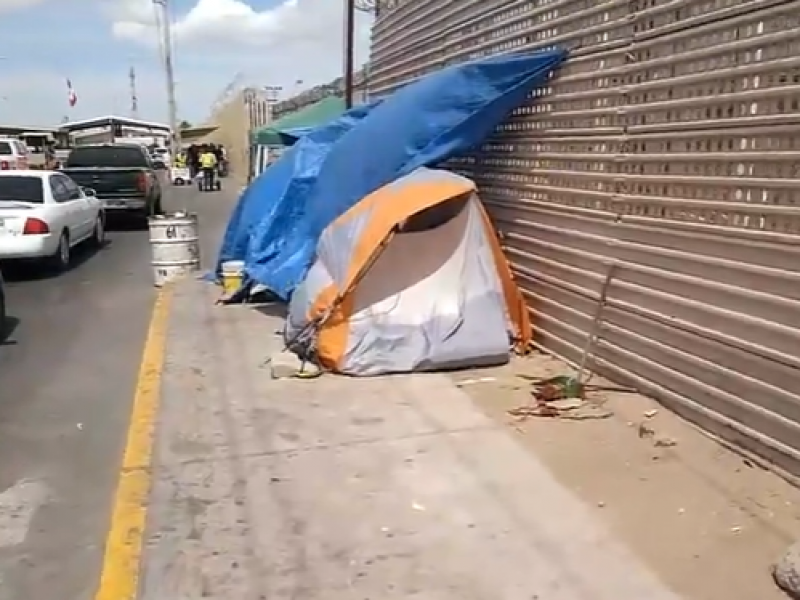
[
  {"x": 557, "y": 388},
  {"x": 552, "y": 397},
  {"x": 662, "y": 441},
  {"x": 736, "y": 529},
  {"x": 80, "y": 426},
  {"x": 570, "y": 408},
  {"x": 645, "y": 432},
  {"x": 563, "y": 396},
  {"x": 567, "y": 404},
  {"x": 651, "y": 413},
  {"x": 479, "y": 380},
  {"x": 569, "y": 382},
  {"x": 587, "y": 412},
  {"x": 665, "y": 442},
  {"x": 416, "y": 506},
  {"x": 531, "y": 410},
  {"x": 287, "y": 365}
]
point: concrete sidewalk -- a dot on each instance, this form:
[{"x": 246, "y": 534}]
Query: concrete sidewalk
[{"x": 344, "y": 489}]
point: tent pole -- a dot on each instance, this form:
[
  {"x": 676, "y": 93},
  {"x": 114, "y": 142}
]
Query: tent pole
[{"x": 349, "y": 51}]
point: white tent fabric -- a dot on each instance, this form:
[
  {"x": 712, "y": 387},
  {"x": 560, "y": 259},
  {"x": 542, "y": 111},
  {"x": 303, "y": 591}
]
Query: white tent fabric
[{"x": 432, "y": 300}]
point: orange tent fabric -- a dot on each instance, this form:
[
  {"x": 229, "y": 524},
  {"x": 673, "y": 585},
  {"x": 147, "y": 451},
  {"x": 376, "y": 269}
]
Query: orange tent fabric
[{"x": 423, "y": 249}]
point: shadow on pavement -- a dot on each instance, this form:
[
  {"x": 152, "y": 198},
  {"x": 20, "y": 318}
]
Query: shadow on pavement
[
  {"x": 7, "y": 329},
  {"x": 125, "y": 223},
  {"x": 274, "y": 309},
  {"x": 30, "y": 270}
]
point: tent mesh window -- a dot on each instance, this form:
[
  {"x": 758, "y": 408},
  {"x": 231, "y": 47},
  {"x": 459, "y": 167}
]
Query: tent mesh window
[{"x": 435, "y": 216}]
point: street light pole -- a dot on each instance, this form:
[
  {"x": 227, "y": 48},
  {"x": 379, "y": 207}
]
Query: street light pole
[{"x": 169, "y": 71}]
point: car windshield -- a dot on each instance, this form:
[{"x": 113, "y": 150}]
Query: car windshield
[
  {"x": 21, "y": 188},
  {"x": 5, "y": 149},
  {"x": 107, "y": 156}
]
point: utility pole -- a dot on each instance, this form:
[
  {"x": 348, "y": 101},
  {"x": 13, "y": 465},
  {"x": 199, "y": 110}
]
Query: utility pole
[
  {"x": 166, "y": 44},
  {"x": 134, "y": 99},
  {"x": 349, "y": 50},
  {"x": 350, "y": 9}
]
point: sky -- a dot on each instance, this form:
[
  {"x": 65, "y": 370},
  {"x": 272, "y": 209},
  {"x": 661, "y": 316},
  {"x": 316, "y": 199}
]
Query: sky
[{"x": 94, "y": 43}]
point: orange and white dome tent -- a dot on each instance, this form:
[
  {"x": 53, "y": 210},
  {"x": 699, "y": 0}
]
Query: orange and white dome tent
[{"x": 412, "y": 278}]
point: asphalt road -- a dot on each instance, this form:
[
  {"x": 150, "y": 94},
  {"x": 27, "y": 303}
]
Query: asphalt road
[{"x": 68, "y": 372}]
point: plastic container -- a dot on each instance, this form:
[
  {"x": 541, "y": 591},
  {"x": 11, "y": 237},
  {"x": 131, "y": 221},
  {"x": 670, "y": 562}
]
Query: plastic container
[{"x": 232, "y": 276}]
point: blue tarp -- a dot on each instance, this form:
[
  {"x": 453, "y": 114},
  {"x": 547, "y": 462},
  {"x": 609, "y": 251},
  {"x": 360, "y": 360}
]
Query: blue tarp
[
  {"x": 290, "y": 136},
  {"x": 263, "y": 206},
  {"x": 329, "y": 170}
]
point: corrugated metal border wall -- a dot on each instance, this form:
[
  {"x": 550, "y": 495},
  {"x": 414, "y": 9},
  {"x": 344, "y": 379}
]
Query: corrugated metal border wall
[{"x": 664, "y": 155}]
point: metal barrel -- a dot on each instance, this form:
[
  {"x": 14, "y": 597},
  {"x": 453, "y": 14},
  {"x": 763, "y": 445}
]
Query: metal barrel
[{"x": 175, "y": 246}]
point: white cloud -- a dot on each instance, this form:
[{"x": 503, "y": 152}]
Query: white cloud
[
  {"x": 214, "y": 41},
  {"x": 7, "y": 6},
  {"x": 299, "y": 39}
]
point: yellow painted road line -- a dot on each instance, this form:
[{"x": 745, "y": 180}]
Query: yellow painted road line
[{"x": 119, "y": 579}]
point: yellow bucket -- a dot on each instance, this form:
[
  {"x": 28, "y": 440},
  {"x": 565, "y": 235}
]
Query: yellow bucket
[{"x": 232, "y": 276}]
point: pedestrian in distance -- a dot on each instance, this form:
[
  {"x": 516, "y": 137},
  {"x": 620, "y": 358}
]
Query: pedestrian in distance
[{"x": 208, "y": 166}]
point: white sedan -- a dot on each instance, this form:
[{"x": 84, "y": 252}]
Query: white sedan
[{"x": 44, "y": 214}]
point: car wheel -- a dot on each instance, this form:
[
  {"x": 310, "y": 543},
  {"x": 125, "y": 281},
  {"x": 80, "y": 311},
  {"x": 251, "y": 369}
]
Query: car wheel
[
  {"x": 99, "y": 233},
  {"x": 2, "y": 316},
  {"x": 61, "y": 259}
]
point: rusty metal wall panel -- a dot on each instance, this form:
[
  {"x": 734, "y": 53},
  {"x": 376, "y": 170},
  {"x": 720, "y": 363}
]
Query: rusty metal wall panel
[{"x": 667, "y": 146}]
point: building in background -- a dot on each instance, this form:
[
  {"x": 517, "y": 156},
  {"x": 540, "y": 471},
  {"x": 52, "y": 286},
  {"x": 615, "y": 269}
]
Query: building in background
[
  {"x": 241, "y": 110},
  {"x": 258, "y": 104},
  {"x": 317, "y": 93},
  {"x": 238, "y": 112}
]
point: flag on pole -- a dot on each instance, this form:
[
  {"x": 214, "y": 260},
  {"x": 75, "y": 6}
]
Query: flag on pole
[{"x": 72, "y": 97}]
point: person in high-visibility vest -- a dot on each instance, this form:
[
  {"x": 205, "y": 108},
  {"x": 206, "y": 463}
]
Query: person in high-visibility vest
[
  {"x": 208, "y": 164},
  {"x": 180, "y": 161}
]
